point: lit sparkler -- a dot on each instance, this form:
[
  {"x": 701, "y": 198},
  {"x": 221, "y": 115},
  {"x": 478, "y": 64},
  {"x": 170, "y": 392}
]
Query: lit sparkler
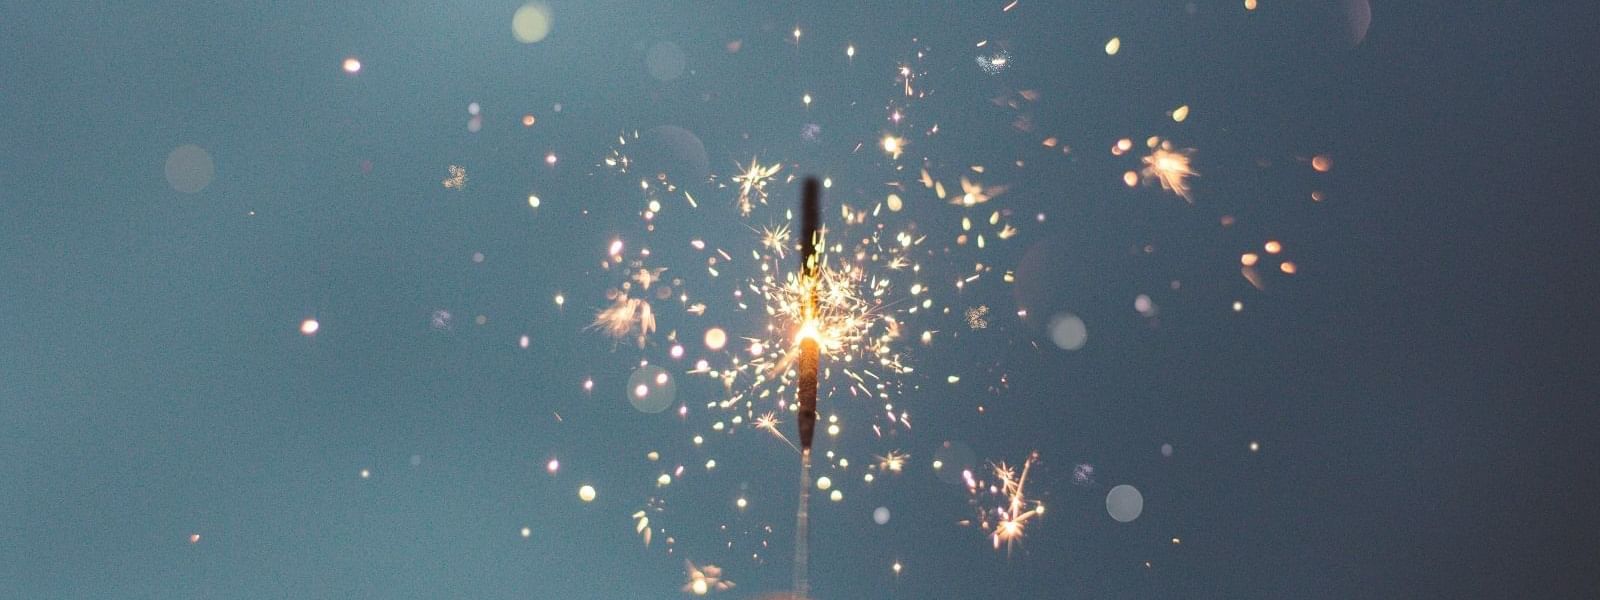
[{"x": 810, "y": 357}]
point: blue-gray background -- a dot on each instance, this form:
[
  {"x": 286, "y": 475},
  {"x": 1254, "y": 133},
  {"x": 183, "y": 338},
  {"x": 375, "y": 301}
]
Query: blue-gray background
[{"x": 1422, "y": 390}]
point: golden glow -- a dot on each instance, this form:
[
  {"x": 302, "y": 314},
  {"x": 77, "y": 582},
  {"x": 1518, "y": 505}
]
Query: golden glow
[{"x": 893, "y": 145}]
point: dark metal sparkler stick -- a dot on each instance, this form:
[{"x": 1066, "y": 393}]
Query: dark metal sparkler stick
[{"x": 810, "y": 353}]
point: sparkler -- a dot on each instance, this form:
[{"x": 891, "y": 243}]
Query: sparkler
[{"x": 810, "y": 357}]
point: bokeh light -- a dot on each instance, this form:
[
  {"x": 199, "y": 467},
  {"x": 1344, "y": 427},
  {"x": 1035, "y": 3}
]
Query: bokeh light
[
  {"x": 531, "y": 23},
  {"x": 651, "y": 389},
  {"x": 951, "y": 459},
  {"x": 189, "y": 169},
  {"x": 665, "y": 61},
  {"x": 1124, "y": 503},
  {"x": 1068, "y": 332},
  {"x": 716, "y": 339}
]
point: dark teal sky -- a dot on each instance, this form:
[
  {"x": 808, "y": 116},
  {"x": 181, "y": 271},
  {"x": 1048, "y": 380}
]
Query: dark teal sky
[{"x": 1421, "y": 389}]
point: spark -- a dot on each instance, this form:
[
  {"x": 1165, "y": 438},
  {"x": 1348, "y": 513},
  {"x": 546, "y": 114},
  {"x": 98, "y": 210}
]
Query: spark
[
  {"x": 994, "y": 64},
  {"x": 975, "y": 317},
  {"x": 1171, "y": 168},
  {"x": 893, "y": 145},
  {"x": 974, "y": 193},
  {"x": 626, "y": 316},
  {"x": 753, "y": 184},
  {"x": 641, "y": 526},
  {"x": 705, "y": 579},
  {"x": 769, "y": 421},
  {"x": 776, "y": 239},
  {"x": 457, "y": 179},
  {"x": 1007, "y": 522},
  {"x": 893, "y": 462}
]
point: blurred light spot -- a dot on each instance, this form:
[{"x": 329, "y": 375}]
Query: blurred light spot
[
  {"x": 951, "y": 459},
  {"x": 1359, "y": 17},
  {"x": 531, "y": 23},
  {"x": 836, "y": 495},
  {"x": 880, "y": 515},
  {"x": 893, "y": 145},
  {"x": 741, "y": 503},
  {"x": 189, "y": 168},
  {"x": 1322, "y": 163},
  {"x": 366, "y": 474},
  {"x": 1113, "y": 46},
  {"x": 1249, "y": 4},
  {"x": 652, "y": 389},
  {"x": 1130, "y": 179},
  {"x": 194, "y": 538},
  {"x": 1273, "y": 247},
  {"x": 665, "y": 61},
  {"x": 533, "y": 201},
  {"x": 824, "y": 483},
  {"x": 1249, "y": 259},
  {"x": 1180, "y": 113},
  {"x": 528, "y": 120},
  {"x": 716, "y": 338},
  {"x": 522, "y": 342},
  {"x": 309, "y": 327},
  {"x": 1287, "y": 267},
  {"x": 586, "y": 493},
  {"x": 895, "y": 204},
  {"x": 1166, "y": 449},
  {"x": 352, "y": 65},
  {"x": 1124, "y": 503},
  {"x": 1068, "y": 331},
  {"x": 526, "y": 532}
]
